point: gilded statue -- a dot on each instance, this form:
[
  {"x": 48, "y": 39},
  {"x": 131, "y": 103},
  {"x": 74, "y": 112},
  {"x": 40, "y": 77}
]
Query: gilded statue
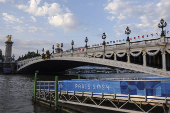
[
  {"x": 58, "y": 45},
  {"x": 9, "y": 37}
]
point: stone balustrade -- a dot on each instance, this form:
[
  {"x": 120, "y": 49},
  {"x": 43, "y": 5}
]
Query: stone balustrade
[{"x": 143, "y": 47}]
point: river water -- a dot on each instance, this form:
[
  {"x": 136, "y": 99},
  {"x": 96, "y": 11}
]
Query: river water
[{"x": 16, "y": 91}]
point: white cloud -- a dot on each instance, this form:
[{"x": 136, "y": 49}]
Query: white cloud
[
  {"x": 33, "y": 19},
  {"x": 65, "y": 1},
  {"x": 119, "y": 34},
  {"x": 90, "y": 3},
  {"x": 111, "y": 18},
  {"x": 32, "y": 8},
  {"x": 57, "y": 16},
  {"x": 21, "y": 47},
  {"x": 145, "y": 16},
  {"x": 146, "y": 22},
  {"x": 2, "y": 0},
  {"x": 121, "y": 17},
  {"x": 67, "y": 10},
  {"x": 125, "y": 9},
  {"x": 117, "y": 6},
  {"x": 67, "y": 21},
  {"x": 121, "y": 29},
  {"x": 19, "y": 29},
  {"x": 100, "y": 29},
  {"x": 163, "y": 9},
  {"x": 54, "y": 9},
  {"x": 11, "y": 18},
  {"x": 158, "y": 5},
  {"x": 86, "y": 30},
  {"x": 33, "y": 29}
]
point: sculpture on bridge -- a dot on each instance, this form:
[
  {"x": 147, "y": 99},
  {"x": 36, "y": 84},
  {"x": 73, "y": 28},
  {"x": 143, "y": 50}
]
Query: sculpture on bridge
[
  {"x": 58, "y": 45},
  {"x": 9, "y": 37},
  {"x": 47, "y": 55},
  {"x": 58, "y": 49},
  {"x": 43, "y": 56}
]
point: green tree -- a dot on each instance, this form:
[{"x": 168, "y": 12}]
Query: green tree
[
  {"x": 1, "y": 57},
  {"x": 29, "y": 55}
]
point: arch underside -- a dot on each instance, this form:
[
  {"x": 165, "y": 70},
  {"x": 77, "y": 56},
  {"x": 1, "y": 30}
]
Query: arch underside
[
  {"x": 53, "y": 66},
  {"x": 59, "y": 64}
]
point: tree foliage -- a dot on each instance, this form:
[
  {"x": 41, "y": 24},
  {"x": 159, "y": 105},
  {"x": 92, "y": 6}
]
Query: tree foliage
[
  {"x": 28, "y": 55},
  {"x": 1, "y": 57}
]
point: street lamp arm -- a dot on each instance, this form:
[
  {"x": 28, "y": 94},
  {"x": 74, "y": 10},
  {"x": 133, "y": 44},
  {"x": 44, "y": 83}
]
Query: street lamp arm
[
  {"x": 162, "y": 25},
  {"x": 127, "y": 31}
]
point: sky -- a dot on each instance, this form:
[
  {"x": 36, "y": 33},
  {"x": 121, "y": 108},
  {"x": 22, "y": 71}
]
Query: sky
[{"x": 37, "y": 24}]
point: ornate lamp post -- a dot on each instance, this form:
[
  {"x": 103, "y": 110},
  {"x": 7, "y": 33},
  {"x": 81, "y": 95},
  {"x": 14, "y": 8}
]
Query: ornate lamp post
[
  {"x": 43, "y": 50},
  {"x": 53, "y": 48},
  {"x": 104, "y": 37},
  {"x": 127, "y": 31},
  {"x": 86, "y": 40},
  {"x": 72, "y": 43},
  {"x": 162, "y": 25},
  {"x": 61, "y": 46},
  {"x": 19, "y": 58},
  {"x": 61, "y": 49},
  {"x": 43, "y": 56}
]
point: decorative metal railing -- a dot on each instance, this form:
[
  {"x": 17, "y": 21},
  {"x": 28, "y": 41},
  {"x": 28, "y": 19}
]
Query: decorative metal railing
[
  {"x": 46, "y": 90},
  {"x": 116, "y": 46},
  {"x": 94, "y": 92}
]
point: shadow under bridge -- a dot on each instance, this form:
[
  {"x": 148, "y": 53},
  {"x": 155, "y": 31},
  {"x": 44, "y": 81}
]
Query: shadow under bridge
[{"x": 53, "y": 66}]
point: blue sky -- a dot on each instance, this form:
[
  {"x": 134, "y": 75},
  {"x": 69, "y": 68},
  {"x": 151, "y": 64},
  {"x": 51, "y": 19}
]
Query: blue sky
[{"x": 35, "y": 24}]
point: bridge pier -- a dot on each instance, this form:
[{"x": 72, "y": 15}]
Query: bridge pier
[
  {"x": 163, "y": 52},
  {"x": 103, "y": 55},
  {"x": 164, "y": 61},
  {"x": 128, "y": 58},
  {"x": 144, "y": 58},
  {"x": 128, "y": 55},
  {"x": 115, "y": 57}
]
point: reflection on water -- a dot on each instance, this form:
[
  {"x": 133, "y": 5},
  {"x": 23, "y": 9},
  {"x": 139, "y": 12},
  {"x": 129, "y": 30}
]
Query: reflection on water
[{"x": 16, "y": 91}]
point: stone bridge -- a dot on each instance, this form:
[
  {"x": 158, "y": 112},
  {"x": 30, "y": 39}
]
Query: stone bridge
[{"x": 149, "y": 56}]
